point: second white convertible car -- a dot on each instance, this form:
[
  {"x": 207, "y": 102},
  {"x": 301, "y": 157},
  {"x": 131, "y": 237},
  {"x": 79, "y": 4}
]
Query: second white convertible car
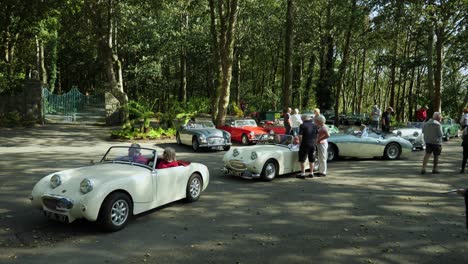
[
  {"x": 125, "y": 182},
  {"x": 273, "y": 155}
]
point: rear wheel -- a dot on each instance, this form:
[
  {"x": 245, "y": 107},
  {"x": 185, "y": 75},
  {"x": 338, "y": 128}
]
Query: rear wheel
[
  {"x": 194, "y": 187},
  {"x": 270, "y": 170},
  {"x": 332, "y": 153},
  {"x": 392, "y": 151},
  {"x": 115, "y": 212},
  {"x": 245, "y": 139}
]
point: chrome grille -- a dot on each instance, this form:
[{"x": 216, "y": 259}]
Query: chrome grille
[
  {"x": 238, "y": 164},
  {"x": 258, "y": 136},
  {"x": 215, "y": 140},
  {"x": 57, "y": 203}
]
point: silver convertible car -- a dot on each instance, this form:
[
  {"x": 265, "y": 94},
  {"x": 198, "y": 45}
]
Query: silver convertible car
[
  {"x": 354, "y": 144},
  {"x": 126, "y": 182},
  {"x": 203, "y": 134}
]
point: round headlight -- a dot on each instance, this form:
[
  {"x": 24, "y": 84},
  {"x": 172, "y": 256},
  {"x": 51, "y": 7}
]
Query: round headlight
[
  {"x": 399, "y": 133},
  {"x": 235, "y": 153},
  {"x": 253, "y": 155},
  {"x": 252, "y": 133},
  {"x": 55, "y": 181},
  {"x": 86, "y": 186},
  {"x": 415, "y": 133}
]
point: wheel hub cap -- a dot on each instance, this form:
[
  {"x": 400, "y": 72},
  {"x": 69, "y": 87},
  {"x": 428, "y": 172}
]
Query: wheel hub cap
[{"x": 119, "y": 212}]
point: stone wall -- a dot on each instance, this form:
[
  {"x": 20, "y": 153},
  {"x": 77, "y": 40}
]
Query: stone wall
[{"x": 27, "y": 102}]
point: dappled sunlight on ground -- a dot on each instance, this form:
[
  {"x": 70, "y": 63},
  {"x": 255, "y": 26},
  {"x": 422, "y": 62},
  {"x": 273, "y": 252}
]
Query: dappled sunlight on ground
[{"x": 364, "y": 211}]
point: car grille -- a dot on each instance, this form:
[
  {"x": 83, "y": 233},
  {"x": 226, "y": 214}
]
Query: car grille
[
  {"x": 57, "y": 203},
  {"x": 258, "y": 136},
  {"x": 215, "y": 141},
  {"x": 238, "y": 164}
]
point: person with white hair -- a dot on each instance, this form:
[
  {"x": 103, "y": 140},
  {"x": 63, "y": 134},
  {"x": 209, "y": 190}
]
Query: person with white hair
[
  {"x": 308, "y": 136},
  {"x": 322, "y": 145},
  {"x": 375, "y": 117},
  {"x": 432, "y": 131},
  {"x": 296, "y": 121}
]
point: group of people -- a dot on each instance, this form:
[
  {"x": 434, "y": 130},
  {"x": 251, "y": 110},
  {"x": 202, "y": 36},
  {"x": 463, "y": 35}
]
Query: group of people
[{"x": 310, "y": 135}]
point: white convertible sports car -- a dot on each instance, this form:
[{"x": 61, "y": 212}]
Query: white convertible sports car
[
  {"x": 352, "y": 144},
  {"x": 125, "y": 183},
  {"x": 412, "y": 133},
  {"x": 274, "y": 154}
]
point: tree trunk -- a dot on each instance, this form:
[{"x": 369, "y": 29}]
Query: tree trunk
[
  {"x": 183, "y": 60},
  {"x": 361, "y": 84},
  {"x": 341, "y": 70},
  {"x": 288, "y": 56},
  {"x": 227, "y": 12},
  {"x": 308, "y": 84},
  {"x": 102, "y": 17},
  {"x": 430, "y": 69},
  {"x": 440, "y": 33},
  {"x": 217, "y": 69}
]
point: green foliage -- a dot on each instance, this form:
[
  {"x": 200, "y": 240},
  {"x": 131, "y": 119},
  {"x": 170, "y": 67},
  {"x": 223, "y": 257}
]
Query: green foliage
[
  {"x": 237, "y": 111},
  {"x": 140, "y": 114},
  {"x": 126, "y": 133},
  {"x": 15, "y": 119}
]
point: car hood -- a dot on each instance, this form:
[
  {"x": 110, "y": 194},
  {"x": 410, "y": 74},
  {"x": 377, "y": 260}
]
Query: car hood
[
  {"x": 256, "y": 130},
  {"x": 209, "y": 132},
  {"x": 100, "y": 173}
]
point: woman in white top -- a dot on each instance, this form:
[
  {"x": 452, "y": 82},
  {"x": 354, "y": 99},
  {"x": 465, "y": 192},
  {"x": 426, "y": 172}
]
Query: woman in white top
[
  {"x": 296, "y": 122},
  {"x": 322, "y": 145}
]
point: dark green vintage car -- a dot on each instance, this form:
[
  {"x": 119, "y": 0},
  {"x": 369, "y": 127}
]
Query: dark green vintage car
[
  {"x": 203, "y": 134},
  {"x": 450, "y": 128}
]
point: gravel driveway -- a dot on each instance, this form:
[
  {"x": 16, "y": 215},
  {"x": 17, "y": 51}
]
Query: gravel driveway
[{"x": 364, "y": 211}]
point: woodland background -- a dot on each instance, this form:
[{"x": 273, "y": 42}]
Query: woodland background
[{"x": 208, "y": 56}]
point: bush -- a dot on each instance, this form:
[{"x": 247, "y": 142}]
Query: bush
[{"x": 128, "y": 133}]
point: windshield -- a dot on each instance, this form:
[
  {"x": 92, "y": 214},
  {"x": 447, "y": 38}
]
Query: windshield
[
  {"x": 242, "y": 123},
  {"x": 130, "y": 155},
  {"x": 415, "y": 124},
  {"x": 276, "y": 139},
  {"x": 201, "y": 124},
  {"x": 447, "y": 121}
]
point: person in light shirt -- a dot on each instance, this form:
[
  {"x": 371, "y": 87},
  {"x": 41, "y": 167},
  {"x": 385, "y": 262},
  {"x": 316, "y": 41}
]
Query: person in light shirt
[{"x": 322, "y": 145}]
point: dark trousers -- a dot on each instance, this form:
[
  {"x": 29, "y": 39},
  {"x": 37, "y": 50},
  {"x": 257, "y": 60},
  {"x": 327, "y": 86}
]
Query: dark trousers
[{"x": 465, "y": 157}]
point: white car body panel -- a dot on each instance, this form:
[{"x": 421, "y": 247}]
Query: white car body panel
[
  {"x": 287, "y": 159},
  {"x": 147, "y": 188}
]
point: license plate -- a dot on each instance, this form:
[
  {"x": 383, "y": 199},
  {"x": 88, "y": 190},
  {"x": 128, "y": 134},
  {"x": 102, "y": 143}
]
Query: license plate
[{"x": 56, "y": 216}]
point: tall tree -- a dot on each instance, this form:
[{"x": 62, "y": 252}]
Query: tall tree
[
  {"x": 224, "y": 34},
  {"x": 288, "y": 56}
]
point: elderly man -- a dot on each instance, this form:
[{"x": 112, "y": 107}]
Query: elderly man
[
  {"x": 308, "y": 134},
  {"x": 287, "y": 120},
  {"x": 432, "y": 131}
]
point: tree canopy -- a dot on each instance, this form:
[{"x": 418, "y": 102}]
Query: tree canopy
[{"x": 270, "y": 54}]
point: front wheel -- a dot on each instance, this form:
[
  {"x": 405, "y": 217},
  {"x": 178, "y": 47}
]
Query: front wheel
[
  {"x": 332, "y": 153},
  {"x": 115, "y": 212},
  {"x": 195, "y": 144},
  {"x": 245, "y": 139},
  {"x": 269, "y": 171},
  {"x": 447, "y": 136},
  {"x": 194, "y": 187},
  {"x": 392, "y": 151}
]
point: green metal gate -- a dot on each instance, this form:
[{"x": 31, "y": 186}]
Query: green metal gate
[{"x": 73, "y": 106}]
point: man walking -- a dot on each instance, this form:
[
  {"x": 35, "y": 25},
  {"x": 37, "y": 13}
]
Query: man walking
[
  {"x": 432, "y": 131},
  {"x": 308, "y": 135}
]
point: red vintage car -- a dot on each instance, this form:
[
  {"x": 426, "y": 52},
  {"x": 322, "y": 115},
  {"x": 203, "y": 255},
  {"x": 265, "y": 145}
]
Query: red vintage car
[{"x": 245, "y": 131}]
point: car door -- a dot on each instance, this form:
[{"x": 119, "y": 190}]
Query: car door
[{"x": 170, "y": 184}]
